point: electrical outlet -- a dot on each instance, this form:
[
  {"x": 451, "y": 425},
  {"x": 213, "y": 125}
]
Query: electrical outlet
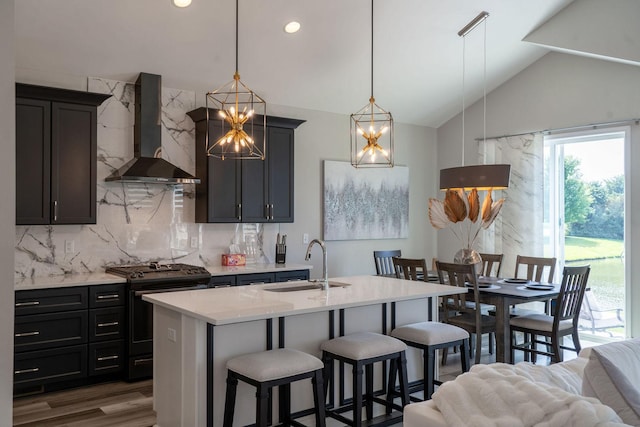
[
  {"x": 305, "y": 238},
  {"x": 69, "y": 246},
  {"x": 194, "y": 242},
  {"x": 171, "y": 334}
]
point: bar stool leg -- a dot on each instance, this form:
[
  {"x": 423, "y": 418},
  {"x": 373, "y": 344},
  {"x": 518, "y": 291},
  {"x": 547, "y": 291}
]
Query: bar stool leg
[
  {"x": 230, "y": 400},
  {"x": 285, "y": 404},
  {"x": 327, "y": 373},
  {"x": 262, "y": 406},
  {"x": 391, "y": 389},
  {"x": 464, "y": 355},
  {"x": 429, "y": 356},
  {"x": 369, "y": 390},
  {"x": 357, "y": 394},
  {"x": 318, "y": 385},
  {"x": 404, "y": 379}
]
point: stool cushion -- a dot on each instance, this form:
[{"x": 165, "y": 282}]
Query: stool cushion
[
  {"x": 363, "y": 345},
  {"x": 430, "y": 333},
  {"x": 274, "y": 364}
]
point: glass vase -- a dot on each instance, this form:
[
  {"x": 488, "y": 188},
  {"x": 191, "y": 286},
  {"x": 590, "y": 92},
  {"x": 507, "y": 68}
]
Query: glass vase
[{"x": 469, "y": 256}]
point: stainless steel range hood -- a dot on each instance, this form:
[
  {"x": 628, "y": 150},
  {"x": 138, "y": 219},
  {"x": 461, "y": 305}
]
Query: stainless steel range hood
[{"x": 147, "y": 166}]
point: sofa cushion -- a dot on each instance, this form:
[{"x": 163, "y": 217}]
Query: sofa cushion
[{"x": 612, "y": 375}]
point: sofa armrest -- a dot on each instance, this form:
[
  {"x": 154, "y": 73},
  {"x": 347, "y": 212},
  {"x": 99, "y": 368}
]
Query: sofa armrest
[{"x": 422, "y": 414}]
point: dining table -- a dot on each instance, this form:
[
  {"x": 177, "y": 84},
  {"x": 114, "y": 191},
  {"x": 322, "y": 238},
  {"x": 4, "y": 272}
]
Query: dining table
[{"x": 502, "y": 294}]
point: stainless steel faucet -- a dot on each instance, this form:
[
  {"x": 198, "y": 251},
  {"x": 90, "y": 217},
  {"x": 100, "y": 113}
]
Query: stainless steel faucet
[{"x": 325, "y": 271}]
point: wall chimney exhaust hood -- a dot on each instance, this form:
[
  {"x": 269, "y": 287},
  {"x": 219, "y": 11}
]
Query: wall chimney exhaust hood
[{"x": 147, "y": 166}]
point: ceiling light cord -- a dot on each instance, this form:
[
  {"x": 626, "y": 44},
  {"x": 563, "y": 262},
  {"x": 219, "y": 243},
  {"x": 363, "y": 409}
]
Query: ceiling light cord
[
  {"x": 237, "y": 36},
  {"x": 371, "y": 49},
  {"x": 484, "y": 77},
  {"x": 464, "y": 45}
]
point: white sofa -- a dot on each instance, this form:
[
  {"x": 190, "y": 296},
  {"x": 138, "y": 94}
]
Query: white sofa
[{"x": 601, "y": 387}]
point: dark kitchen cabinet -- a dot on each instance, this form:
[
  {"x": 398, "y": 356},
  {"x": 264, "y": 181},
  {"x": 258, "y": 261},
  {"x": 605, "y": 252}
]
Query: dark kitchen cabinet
[
  {"x": 56, "y": 160},
  {"x": 66, "y": 337},
  {"x": 245, "y": 190}
]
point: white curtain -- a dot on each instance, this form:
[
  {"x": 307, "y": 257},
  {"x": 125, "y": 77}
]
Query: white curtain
[{"x": 518, "y": 230}]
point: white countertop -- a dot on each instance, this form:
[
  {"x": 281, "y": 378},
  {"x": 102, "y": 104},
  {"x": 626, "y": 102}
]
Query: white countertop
[
  {"x": 102, "y": 278},
  {"x": 246, "y": 303}
]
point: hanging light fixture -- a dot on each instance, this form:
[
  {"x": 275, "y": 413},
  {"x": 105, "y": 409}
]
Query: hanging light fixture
[
  {"x": 372, "y": 130},
  {"x": 480, "y": 177},
  {"x": 243, "y": 116}
]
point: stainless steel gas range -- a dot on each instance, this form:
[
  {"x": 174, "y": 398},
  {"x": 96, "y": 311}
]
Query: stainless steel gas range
[{"x": 145, "y": 279}]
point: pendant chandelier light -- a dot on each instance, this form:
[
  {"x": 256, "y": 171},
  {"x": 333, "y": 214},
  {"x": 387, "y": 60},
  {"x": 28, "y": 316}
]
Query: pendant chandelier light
[
  {"x": 243, "y": 116},
  {"x": 480, "y": 177},
  {"x": 372, "y": 130}
]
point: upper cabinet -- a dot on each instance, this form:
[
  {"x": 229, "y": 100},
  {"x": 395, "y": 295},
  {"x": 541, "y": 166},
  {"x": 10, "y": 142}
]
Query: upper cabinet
[
  {"x": 245, "y": 190},
  {"x": 56, "y": 155}
]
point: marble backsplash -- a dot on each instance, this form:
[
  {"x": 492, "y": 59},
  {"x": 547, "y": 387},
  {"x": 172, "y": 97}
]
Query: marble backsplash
[{"x": 137, "y": 223}]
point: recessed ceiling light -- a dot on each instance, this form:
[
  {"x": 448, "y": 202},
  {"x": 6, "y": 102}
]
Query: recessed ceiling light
[
  {"x": 182, "y": 3},
  {"x": 292, "y": 27}
]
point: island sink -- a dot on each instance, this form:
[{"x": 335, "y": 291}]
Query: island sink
[{"x": 304, "y": 286}]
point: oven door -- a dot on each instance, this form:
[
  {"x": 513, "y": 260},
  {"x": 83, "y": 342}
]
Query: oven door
[{"x": 140, "y": 320}]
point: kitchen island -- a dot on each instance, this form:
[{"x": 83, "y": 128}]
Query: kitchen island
[{"x": 196, "y": 332}]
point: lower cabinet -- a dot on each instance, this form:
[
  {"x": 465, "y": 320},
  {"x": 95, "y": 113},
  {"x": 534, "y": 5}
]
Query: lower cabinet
[{"x": 61, "y": 341}]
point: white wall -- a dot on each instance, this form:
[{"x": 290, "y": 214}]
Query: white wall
[
  {"x": 7, "y": 213},
  {"x": 557, "y": 91},
  {"x": 325, "y": 136}
]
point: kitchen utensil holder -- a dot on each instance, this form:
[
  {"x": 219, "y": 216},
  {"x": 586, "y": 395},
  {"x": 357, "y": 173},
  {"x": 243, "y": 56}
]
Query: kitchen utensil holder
[{"x": 281, "y": 253}]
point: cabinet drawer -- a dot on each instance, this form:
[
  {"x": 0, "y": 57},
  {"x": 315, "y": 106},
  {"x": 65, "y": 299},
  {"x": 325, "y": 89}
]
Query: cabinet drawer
[
  {"x": 106, "y": 357},
  {"x": 222, "y": 281},
  {"x": 106, "y": 296},
  {"x": 255, "y": 279},
  {"x": 50, "y": 300},
  {"x": 286, "y": 276},
  {"x": 48, "y": 366},
  {"x": 106, "y": 324},
  {"x": 40, "y": 331}
]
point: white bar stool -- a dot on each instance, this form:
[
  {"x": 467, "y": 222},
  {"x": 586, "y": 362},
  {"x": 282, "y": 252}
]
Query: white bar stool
[
  {"x": 267, "y": 369},
  {"x": 362, "y": 350}
]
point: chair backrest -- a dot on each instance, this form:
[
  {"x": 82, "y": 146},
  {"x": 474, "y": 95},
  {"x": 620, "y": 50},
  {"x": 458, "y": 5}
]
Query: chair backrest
[
  {"x": 459, "y": 275},
  {"x": 489, "y": 262},
  {"x": 535, "y": 267},
  {"x": 384, "y": 264},
  {"x": 410, "y": 269},
  {"x": 574, "y": 284}
]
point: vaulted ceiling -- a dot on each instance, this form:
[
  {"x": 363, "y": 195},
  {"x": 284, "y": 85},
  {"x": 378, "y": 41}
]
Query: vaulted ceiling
[{"x": 325, "y": 66}]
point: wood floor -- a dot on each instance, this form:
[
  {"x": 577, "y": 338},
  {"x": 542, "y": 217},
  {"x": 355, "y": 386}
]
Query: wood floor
[
  {"x": 124, "y": 404},
  {"x": 118, "y": 404}
]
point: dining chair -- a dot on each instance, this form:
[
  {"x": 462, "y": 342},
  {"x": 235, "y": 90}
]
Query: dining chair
[
  {"x": 410, "y": 268},
  {"x": 383, "y": 262},
  {"x": 554, "y": 328},
  {"x": 535, "y": 267},
  {"x": 457, "y": 312},
  {"x": 489, "y": 262}
]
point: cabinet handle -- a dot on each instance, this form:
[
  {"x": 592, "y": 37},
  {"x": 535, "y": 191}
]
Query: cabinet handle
[
  {"x": 271, "y": 211},
  {"x": 55, "y": 210},
  {"x": 26, "y": 371},
  {"x": 27, "y": 334},
  {"x": 266, "y": 211},
  {"x": 101, "y": 359},
  {"x": 27, "y": 304},
  {"x": 112, "y": 296},
  {"x": 257, "y": 283},
  {"x": 239, "y": 211},
  {"x": 138, "y": 362},
  {"x": 103, "y": 325}
]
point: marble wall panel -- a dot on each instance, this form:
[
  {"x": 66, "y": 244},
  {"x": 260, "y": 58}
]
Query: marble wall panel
[{"x": 136, "y": 223}]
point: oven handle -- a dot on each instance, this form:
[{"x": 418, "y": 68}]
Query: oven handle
[{"x": 184, "y": 288}]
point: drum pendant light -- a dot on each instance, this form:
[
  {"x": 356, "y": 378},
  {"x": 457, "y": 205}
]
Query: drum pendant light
[
  {"x": 480, "y": 177},
  {"x": 243, "y": 116},
  {"x": 371, "y": 130}
]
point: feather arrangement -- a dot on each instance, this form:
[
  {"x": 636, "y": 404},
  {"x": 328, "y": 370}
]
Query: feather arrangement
[{"x": 458, "y": 207}]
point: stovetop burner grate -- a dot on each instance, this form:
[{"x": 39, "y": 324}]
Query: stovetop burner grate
[{"x": 156, "y": 273}]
